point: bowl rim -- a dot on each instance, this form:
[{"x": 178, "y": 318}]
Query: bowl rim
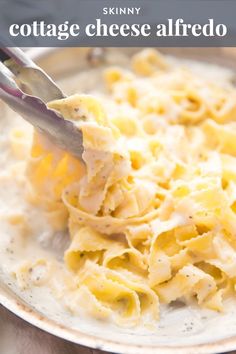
[{"x": 25, "y": 312}]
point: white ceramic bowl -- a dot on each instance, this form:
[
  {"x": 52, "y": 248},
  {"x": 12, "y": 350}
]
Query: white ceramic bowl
[{"x": 181, "y": 330}]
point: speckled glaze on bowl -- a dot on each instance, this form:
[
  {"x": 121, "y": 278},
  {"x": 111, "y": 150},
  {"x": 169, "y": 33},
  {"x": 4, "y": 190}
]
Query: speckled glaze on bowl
[{"x": 181, "y": 330}]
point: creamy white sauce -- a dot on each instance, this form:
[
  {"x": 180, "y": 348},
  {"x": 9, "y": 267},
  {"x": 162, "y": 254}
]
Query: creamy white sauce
[{"x": 178, "y": 324}]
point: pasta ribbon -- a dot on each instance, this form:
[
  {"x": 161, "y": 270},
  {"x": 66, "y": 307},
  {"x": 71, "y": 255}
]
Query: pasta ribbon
[{"x": 151, "y": 209}]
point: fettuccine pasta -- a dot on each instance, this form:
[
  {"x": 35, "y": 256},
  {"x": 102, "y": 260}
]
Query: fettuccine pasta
[{"x": 151, "y": 209}]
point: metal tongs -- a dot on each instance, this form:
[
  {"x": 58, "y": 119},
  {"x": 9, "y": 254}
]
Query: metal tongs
[{"x": 32, "y": 105}]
